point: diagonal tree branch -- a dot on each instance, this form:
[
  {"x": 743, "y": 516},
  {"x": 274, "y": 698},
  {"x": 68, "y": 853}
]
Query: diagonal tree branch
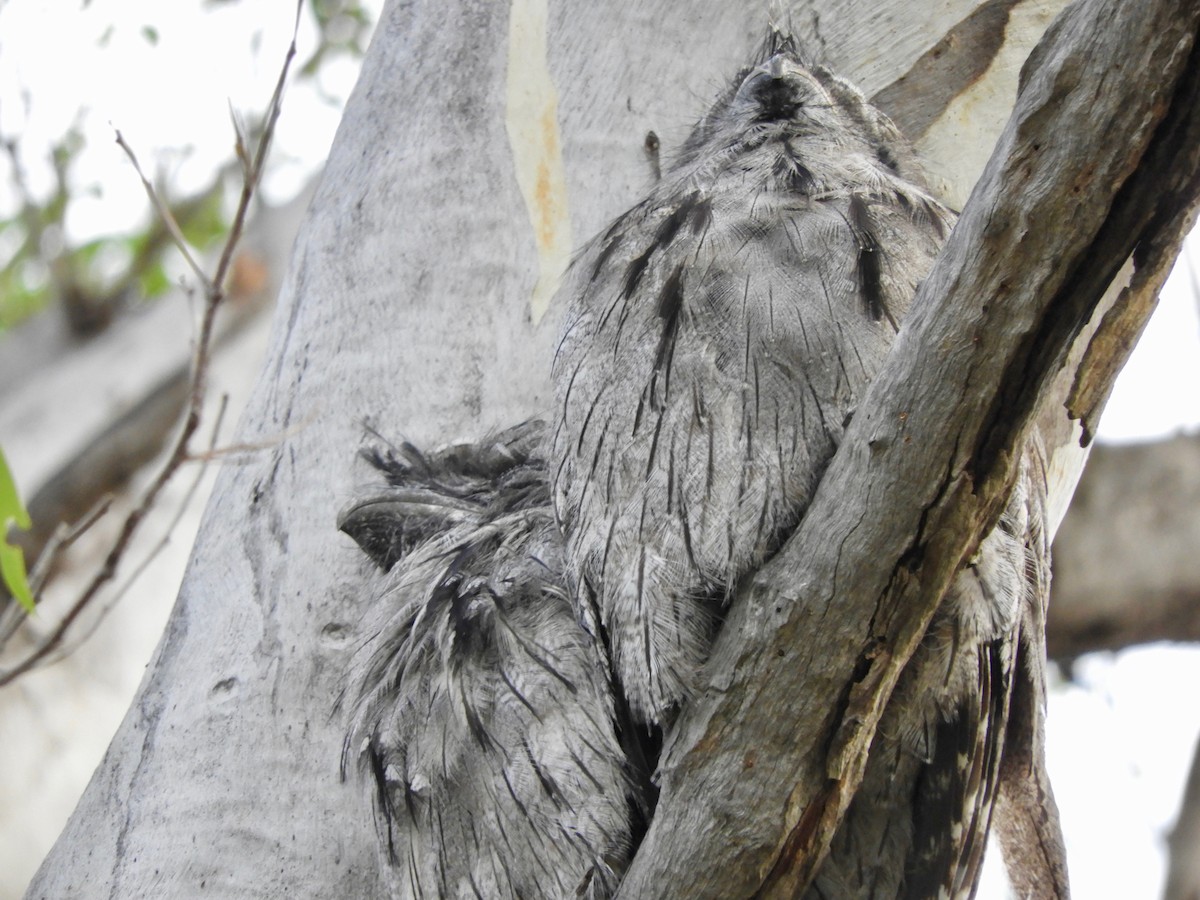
[{"x": 1092, "y": 168}]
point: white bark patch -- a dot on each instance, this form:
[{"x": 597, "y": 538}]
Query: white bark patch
[
  {"x": 950, "y": 145},
  {"x": 1062, "y": 435},
  {"x": 531, "y": 119},
  {"x": 1066, "y": 458},
  {"x": 1065, "y": 465}
]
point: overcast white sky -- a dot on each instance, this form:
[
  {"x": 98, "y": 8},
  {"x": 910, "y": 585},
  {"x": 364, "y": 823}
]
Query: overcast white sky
[{"x": 1119, "y": 753}]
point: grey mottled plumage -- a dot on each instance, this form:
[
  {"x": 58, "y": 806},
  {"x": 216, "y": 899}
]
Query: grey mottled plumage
[
  {"x": 542, "y": 617},
  {"x": 718, "y": 336},
  {"x": 479, "y": 709}
]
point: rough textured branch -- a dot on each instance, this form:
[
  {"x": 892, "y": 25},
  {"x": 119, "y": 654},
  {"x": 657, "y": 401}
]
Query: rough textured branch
[{"x": 927, "y": 459}]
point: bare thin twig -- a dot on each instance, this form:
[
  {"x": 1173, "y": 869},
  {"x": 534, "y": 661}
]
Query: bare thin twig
[
  {"x": 214, "y": 290},
  {"x": 64, "y": 536},
  {"x": 168, "y": 219},
  {"x": 65, "y": 650},
  {"x": 227, "y": 450}
]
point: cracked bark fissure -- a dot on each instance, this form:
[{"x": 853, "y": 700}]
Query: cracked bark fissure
[{"x": 1087, "y": 145}]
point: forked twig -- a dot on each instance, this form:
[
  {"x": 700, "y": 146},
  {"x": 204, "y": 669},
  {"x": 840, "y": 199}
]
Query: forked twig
[{"x": 167, "y": 217}]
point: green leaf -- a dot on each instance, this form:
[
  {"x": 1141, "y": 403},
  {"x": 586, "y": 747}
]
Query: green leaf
[
  {"x": 150, "y": 33},
  {"x": 11, "y": 508},
  {"x": 12, "y": 560},
  {"x": 12, "y": 570},
  {"x": 206, "y": 222},
  {"x": 18, "y": 302},
  {"x": 154, "y": 281}
]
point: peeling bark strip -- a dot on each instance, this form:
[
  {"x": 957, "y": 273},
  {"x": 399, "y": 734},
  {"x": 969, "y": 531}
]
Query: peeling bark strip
[
  {"x": 1107, "y": 101},
  {"x": 820, "y": 816},
  {"x": 1150, "y": 215},
  {"x": 1158, "y": 202}
]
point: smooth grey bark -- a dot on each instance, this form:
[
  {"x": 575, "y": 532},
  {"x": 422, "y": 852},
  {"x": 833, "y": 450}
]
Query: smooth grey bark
[{"x": 408, "y": 302}]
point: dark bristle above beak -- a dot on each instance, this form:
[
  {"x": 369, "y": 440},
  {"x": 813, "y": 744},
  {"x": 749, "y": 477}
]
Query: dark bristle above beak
[{"x": 779, "y": 39}]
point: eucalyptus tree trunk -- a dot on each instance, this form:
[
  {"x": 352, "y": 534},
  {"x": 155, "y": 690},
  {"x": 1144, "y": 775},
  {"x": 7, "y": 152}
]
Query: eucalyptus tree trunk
[{"x": 483, "y": 142}]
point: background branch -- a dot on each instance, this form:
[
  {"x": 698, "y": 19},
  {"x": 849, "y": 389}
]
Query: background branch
[{"x": 1126, "y": 570}]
